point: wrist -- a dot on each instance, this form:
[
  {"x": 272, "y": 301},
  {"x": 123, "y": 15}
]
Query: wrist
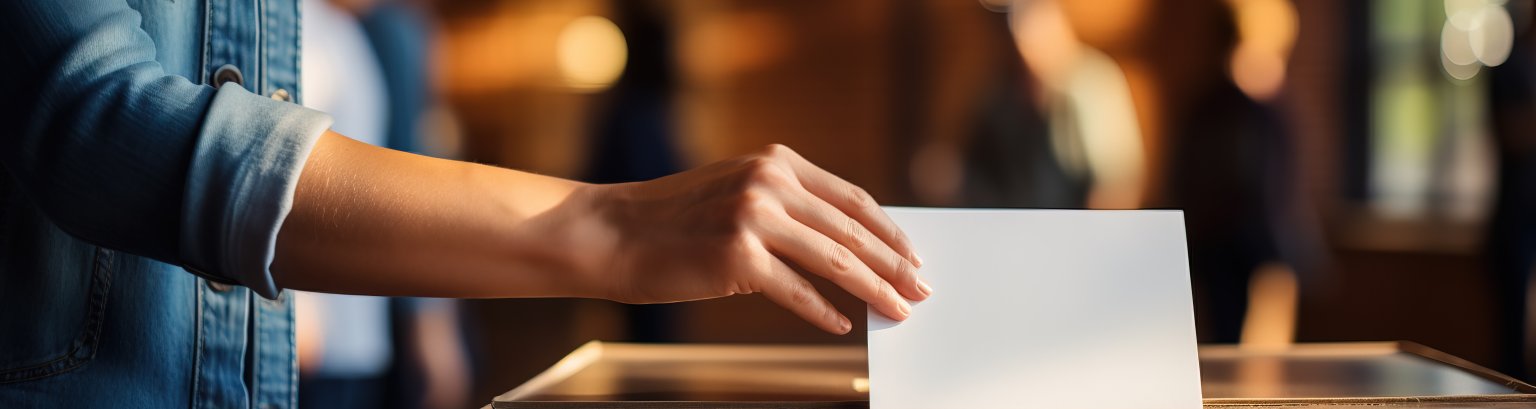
[
  {"x": 580, "y": 240},
  {"x": 541, "y": 236}
]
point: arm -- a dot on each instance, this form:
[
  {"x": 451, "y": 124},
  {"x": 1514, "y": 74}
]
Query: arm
[{"x": 374, "y": 221}]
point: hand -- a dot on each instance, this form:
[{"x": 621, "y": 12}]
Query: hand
[{"x": 747, "y": 225}]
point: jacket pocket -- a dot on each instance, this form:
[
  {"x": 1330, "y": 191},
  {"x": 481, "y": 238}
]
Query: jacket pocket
[{"x": 53, "y": 296}]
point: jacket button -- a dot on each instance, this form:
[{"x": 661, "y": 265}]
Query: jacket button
[
  {"x": 282, "y": 95},
  {"x": 218, "y": 286},
  {"x": 228, "y": 73}
]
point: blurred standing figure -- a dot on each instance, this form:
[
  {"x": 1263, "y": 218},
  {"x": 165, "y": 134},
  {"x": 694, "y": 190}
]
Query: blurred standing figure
[
  {"x": 1512, "y": 230},
  {"x": 1229, "y": 162},
  {"x": 1187, "y": 136},
  {"x": 365, "y": 351}
]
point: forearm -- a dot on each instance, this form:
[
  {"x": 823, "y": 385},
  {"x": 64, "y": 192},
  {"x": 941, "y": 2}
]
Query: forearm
[{"x": 368, "y": 220}]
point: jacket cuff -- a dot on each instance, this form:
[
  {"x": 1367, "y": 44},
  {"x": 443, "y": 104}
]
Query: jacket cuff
[{"x": 240, "y": 185}]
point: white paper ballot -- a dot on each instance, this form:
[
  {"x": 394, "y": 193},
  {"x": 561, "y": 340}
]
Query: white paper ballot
[{"x": 1057, "y": 309}]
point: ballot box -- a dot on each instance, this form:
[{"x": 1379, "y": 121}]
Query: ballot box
[{"x": 1345, "y": 375}]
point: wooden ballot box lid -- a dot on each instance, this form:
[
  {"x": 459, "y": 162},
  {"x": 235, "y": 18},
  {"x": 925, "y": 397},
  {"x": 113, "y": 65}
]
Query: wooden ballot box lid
[{"x": 622, "y": 375}]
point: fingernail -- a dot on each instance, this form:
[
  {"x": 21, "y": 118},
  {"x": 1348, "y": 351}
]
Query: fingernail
[
  {"x": 906, "y": 309},
  {"x": 923, "y": 285},
  {"x": 842, "y": 322},
  {"x": 917, "y": 260}
]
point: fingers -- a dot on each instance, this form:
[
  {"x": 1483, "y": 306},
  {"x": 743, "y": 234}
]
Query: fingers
[
  {"x": 885, "y": 261},
  {"x": 788, "y": 289},
  {"x": 851, "y": 200},
  {"x": 820, "y": 255}
]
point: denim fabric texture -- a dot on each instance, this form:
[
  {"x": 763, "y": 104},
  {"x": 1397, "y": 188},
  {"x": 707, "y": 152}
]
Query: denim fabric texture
[{"x": 149, "y": 155}]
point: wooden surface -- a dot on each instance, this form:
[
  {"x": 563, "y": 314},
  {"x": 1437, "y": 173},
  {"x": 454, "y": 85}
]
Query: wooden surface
[{"x": 697, "y": 375}]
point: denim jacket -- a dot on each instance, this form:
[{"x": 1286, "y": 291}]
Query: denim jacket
[{"x": 150, "y": 149}]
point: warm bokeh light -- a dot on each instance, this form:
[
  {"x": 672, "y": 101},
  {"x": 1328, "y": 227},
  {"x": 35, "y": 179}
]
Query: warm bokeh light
[
  {"x": 1110, "y": 25},
  {"x": 591, "y": 53},
  {"x": 711, "y": 51}
]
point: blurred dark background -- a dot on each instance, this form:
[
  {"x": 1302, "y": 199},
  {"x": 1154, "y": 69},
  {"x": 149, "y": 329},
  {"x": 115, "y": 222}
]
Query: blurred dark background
[{"x": 1350, "y": 170}]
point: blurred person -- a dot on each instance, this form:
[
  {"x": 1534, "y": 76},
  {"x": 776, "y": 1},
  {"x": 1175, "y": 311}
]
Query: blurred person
[
  {"x": 361, "y": 351},
  {"x": 1094, "y": 134},
  {"x": 1229, "y": 166},
  {"x": 1013, "y": 156},
  {"x": 1009, "y": 160},
  {"x": 162, "y": 187},
  {"x": 1210, "y": 149},
  {"x": 1511, "y": 242}
]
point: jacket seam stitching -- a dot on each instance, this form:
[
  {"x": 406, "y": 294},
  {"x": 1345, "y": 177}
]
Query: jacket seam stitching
[{"x": 90, "y": 335}]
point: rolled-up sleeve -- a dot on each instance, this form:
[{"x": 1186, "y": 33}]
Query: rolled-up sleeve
[
  {"x": 118, "y": 153},
  {"x": 240, "y": 185}
]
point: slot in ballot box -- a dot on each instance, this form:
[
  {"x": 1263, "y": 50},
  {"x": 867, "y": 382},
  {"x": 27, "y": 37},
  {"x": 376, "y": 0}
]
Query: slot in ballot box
[{"x": 1345, "y": 375}]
